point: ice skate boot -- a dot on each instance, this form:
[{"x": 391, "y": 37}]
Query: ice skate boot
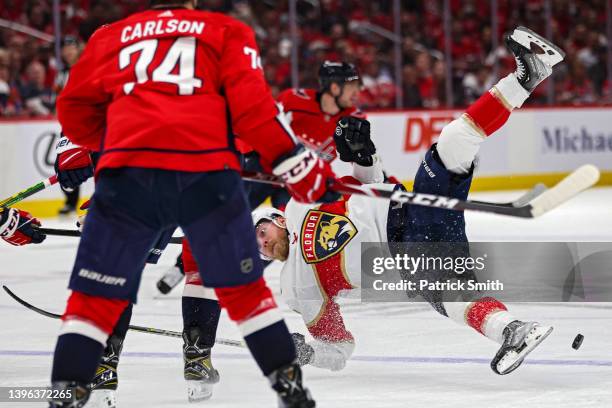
[
  {"x": 66, "y": 210},
  {"x": 104, "y": 385},
  {"x": 535, "y": 56},
  {"x": 68, "y": 394},
  {"x": 201, "y": 376},
  {"x": 171, "y": 278},
  {"x": 287, "y": 382},
  {"x": 520, "y": 338}
]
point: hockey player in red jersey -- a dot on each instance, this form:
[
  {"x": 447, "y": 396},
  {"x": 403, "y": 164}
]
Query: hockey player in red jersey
[
  {"x": 313, "y": 113},
  {"x": 152, "y": 93},
  {"x": 320, "y": 245}
]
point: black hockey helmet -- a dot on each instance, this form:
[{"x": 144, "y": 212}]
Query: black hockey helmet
[{"x": 338, "y": 72}]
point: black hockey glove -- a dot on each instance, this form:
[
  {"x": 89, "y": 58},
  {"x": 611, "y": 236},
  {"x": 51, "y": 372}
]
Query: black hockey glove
[
  {"x": 353, "y": 142},
  {"x": 304, "y": 351}
]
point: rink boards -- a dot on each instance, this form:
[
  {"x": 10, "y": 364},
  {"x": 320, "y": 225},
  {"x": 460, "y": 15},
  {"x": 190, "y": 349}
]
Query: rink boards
[{"x": 535, "y": 145}]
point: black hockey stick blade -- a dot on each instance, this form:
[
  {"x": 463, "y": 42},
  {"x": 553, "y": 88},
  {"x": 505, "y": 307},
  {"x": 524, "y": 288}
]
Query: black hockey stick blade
[
  {"x": 29, "y": 306},
  {"x": 77, "y": 233},
  {"x": 536, "y": 191},
  {"x": 523, "y": 200},
  {"x": 150, "y": 330}
]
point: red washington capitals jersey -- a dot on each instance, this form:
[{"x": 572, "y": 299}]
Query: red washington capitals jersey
[
  {"x": 161, "y": 88},
  {"x": 310, "y": 124}
]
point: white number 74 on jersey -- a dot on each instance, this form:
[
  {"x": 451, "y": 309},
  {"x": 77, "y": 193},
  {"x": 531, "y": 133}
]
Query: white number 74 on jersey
[{"x": 182, "y": 52}]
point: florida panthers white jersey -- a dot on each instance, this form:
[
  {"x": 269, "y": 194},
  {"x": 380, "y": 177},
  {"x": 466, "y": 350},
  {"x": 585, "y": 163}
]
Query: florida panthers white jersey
[{"x": 325, "y": 250}]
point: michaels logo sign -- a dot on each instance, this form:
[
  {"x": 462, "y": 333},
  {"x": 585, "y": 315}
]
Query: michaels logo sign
[{"x": 566, "y": 140}]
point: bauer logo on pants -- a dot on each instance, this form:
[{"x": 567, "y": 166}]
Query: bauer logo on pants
[
  {"x": 98, "y": 277},
  {"x": 324, "y": 235}
]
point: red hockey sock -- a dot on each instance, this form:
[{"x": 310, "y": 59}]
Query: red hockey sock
[
  {"x": 480, "y": 310},
  {"x": 246, "y": 302},
  {"x": 489, "y": 112},
  {"x": 101, "y": 312}
]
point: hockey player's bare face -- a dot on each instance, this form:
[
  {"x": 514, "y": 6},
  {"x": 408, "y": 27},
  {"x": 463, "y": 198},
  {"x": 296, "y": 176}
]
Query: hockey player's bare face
[
  {"x": 272, "y": 239},
  {"x": 349, "y": 95}
]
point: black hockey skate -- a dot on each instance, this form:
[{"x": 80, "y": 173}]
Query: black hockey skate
[
  {"x": 201, "y": 376},
  {"x": 69, "y": 394},
  {"x": 535, "y": 56},
  {"x": 172, "y": 277},
  {"x": 104, "y": 385},
  {"x": 287, "y": 382},
  {"x": 520, "y": 338}
]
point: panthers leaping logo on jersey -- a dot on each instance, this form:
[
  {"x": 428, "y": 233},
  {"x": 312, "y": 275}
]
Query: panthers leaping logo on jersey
[{"x": 324, "y": 235}]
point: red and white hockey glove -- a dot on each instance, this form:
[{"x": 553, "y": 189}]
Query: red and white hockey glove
[
  {"x": 73, "y": 164},
  {"x": 17, "y": 227},
  {"x": 306, "y": 176}
]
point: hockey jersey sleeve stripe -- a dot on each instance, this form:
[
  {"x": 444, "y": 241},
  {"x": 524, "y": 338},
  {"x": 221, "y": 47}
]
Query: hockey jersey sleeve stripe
[
  {"x": 258, "y": 322},
  {"x": 84, "y": 328},
  {"x": 196, "y": 290},
  {"x": 329, "y": 325}
]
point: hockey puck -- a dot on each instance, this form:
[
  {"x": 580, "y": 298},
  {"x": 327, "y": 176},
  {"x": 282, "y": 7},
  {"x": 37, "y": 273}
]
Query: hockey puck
[{"x": 577, "y": 341}]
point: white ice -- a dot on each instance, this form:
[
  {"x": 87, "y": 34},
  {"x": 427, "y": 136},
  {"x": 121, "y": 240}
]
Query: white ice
[{"x": 406, "y": 355}]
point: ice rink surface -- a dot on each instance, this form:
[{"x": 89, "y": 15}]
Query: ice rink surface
[{"x": 406, "y": 354}]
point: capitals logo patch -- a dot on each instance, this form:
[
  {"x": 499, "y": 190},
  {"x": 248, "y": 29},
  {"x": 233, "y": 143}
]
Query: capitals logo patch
[{"x": 324, "y": 235}]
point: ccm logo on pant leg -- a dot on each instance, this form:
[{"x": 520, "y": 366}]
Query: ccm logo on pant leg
[
  {"x": 98, "y": 277},
  {"x": 426, "y": 199}
]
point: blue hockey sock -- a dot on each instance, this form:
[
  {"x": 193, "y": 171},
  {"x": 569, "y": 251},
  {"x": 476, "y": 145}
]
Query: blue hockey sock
[
  {"x": 123, "y": 324},
  {"x": 204, "y": 314},
  {"x": 76, "y": 358},
  {"x": 272, "y": 347}
]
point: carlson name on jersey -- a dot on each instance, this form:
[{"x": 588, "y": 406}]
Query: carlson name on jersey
[{"x": 161, "y": 27}]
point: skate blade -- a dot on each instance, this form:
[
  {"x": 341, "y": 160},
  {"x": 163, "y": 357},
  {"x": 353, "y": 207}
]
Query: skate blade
[
  {"x": 512, "y": 360},
  {"x": 552, "y": 54},
  {"x": 199, "y": 391},
  {"x": 102, "y": 399},
  {"x": 169, "y": 280}
]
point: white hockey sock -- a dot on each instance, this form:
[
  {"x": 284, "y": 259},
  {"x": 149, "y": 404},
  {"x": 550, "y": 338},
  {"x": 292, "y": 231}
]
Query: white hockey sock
[
  {"x": 490, "y": 324},
  {"x": 510, "y": 91},
  {"x": 460, "y": 140},
  {"x": 494, "y": 325},
  {"x": 458, "y": 145}
]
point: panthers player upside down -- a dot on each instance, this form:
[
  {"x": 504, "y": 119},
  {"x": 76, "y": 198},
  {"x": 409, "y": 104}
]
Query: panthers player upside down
[{"x": 320, "y": 244}]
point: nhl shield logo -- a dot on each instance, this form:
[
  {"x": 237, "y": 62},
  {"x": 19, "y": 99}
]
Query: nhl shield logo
[{"x": 324, "y": 235}]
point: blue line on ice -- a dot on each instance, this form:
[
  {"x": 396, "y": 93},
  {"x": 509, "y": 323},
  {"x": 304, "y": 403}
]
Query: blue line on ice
[{"x": 376, "y": 359}]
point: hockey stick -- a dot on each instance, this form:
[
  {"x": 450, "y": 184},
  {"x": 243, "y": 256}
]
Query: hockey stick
[
  {"x": 537, "y": 190},
  {"x": 151, "y": 330},
  {"x": 580, "y": 179},
  {"x": 77, "y": 233},
  {"x": 28, "y": 191}
]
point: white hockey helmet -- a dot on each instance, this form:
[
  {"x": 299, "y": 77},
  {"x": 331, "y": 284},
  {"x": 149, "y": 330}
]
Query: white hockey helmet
[{"x": 267, "y": 214}]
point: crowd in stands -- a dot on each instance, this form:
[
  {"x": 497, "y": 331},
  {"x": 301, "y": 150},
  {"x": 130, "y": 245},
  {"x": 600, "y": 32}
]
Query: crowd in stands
[{"x": 31, "y": 77}]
